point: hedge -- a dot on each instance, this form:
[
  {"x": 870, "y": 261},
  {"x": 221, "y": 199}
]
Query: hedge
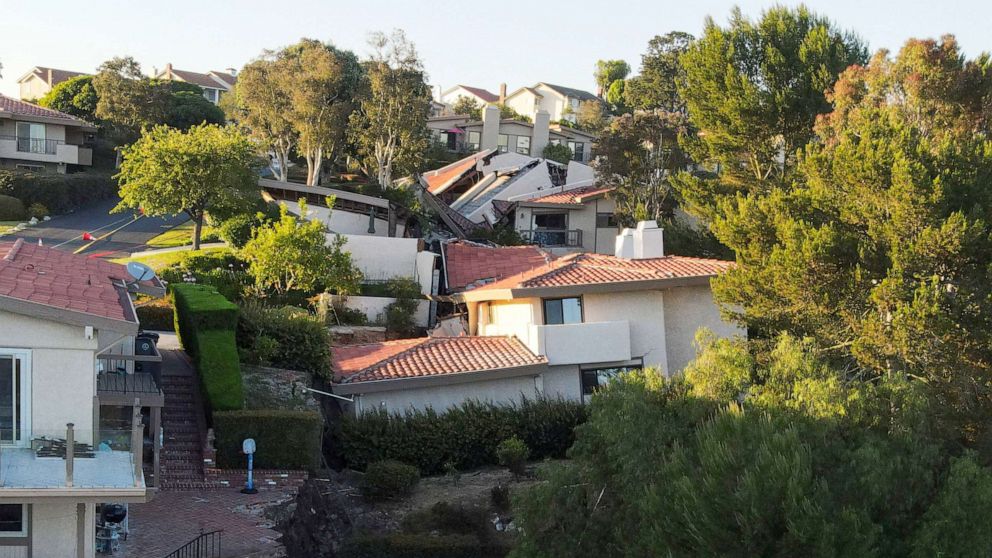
[
  {"x": 302, "y": 342},
  {"x": 205, "y": 323},
  {"x": 157, "y": 315},
  {"x": 466, "y": 436},
  {"x": 60, "y": 193},
  {"x": 11, "y": 208},
  {"x": 283, "y": 439}
]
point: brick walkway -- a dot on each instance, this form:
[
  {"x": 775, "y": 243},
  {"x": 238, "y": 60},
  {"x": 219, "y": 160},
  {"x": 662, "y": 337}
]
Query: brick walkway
[{"x": 174, "y": 518}]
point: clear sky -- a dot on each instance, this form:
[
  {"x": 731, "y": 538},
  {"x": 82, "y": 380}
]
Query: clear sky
[{"x": 472, "y": 43}]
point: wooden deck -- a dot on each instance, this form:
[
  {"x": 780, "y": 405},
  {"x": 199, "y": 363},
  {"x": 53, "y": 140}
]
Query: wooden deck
[{"x": 123, "y": 389}]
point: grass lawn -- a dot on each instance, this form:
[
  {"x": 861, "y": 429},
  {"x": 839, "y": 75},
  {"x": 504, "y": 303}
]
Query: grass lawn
[
  {"x": 5, "y": 226},
  {"x": 159, "y": 261},
  {"x": 181, "y": 235}
]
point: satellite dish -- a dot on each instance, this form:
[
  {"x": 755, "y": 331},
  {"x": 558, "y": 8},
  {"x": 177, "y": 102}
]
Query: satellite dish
[{"x": 140, "y": 272}]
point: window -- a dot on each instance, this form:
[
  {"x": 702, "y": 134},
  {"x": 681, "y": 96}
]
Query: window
[
  {"x": 210, "y": 94},
  {"x": 473, "y": 140},
  {"x": 523, "y": 145},
  {"x": 451, "y": 141},
  {"x": 557, "y": 221},
  {"x": 501, "y": 142},
  {"x": 31, "y": 138},
  {"x": 32, "y": 168},
  {"x": 577, "y": 148},
  {"x": 14, "y": 397},
  {"x": 561, "y": 311},
  {"x": 12, "y": 520},
  {"x": 599, "y": 377},
  {"x": 606, "y": 221}
]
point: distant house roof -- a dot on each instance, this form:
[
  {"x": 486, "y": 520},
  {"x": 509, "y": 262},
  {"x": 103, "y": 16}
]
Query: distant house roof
[
  {"x": 576, "y": 196},
  {"x": 481, "y": 93},
  {"x": 430, "y": 357},
  {"x": 51, "y": 76},
  {"x": 53, "y": 284},
  {"x": 213, "y": 80},
  {"x": 10, "y": 108},
  {"x": 583, "y": 270},
  {"x": 468, "y": 265},
  {"x": 570, "y": 92}
]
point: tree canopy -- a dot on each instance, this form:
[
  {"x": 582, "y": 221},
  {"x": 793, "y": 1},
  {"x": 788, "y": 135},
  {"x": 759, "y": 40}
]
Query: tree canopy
[
  {"x": 467, "y": 106},
  {"x": 608, "y": 72},
  {"x": 75, "y": 96},
  {"x": 654, "y": 88},
  {"x": 127, "y": 101}
]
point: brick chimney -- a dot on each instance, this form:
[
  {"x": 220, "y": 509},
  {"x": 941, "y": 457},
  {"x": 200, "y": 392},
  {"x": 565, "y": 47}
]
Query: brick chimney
[
  {"x": 644, "y": 242},
  {"x": 168, "y": 70},
  {"x": 502, "y": 93}
]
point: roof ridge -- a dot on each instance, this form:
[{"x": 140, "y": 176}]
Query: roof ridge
[
  {"x": 12, "y": 253},
  {"x": 389, "y": 359}
]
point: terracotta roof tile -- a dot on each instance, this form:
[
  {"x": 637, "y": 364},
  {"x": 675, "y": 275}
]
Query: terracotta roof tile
[
  {"x": 430, "y": 356},
  {"x": 21, "y": 108},
  {"x": 591, "y": 269},
  {"x": 469, "y": 265},
  {"x": 574, "y": 196},
  {"x": 64, "y": 280}
]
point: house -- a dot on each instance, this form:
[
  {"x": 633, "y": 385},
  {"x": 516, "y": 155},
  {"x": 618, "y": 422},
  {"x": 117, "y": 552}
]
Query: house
[
  {"x": 482, "y": 97},
  {"x": 214, "y": 83},
  {"x": 40, "y": 80},
  {"x": 71, "y": 393},
  {"x": 564, "y": 219},
  {"x": 562, "y": 328},
  {"x": 461, "y": 134},
  {"x": 562, "y": 103},
  {"x": 40, "y": 139}
]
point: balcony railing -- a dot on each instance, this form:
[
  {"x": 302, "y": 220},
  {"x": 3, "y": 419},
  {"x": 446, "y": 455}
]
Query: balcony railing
[
  {"x": 552, "y": 237},
  {"x": 122, "y": 378},
  {"x": 40, "y": 146}
]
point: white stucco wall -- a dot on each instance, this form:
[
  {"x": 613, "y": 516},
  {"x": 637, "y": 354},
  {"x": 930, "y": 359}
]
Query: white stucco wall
[
  {"x": 53, "y": 530},
  {"x": 646, "y": 312},
  {"x": 692, "y": 308},
  {"x": 382, "y": 257},
  {"x": 344, "y": 222},
  {"x": 374, "y": 308},
  {"x": 33, "y": 88}
]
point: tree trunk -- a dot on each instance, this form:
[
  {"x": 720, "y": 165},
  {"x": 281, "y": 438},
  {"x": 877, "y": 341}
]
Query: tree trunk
[{"x": 197, "y": 229}]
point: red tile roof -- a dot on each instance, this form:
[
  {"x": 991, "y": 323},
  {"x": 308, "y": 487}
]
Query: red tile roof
[
  {"x": 574, "y": 196},
  {"x": 21, "y": 108},
  {"x": 430, "y": 356},
  {"x": 469, "y": 265},
  {"x": 481, "y": 93},
  {"x": 63, "y": 280},
  {"x": 591, "y": 269}
]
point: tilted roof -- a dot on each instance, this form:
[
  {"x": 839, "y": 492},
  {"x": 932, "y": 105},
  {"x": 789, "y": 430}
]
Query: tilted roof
[
  {"x": 468, "y": 265},
  {"x": 429, "y": 356},
  {"x": 575, "y": 196}
]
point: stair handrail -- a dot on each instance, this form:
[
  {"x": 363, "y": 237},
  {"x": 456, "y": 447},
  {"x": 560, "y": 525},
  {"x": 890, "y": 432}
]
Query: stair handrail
[{"x": 205, "y": 545}]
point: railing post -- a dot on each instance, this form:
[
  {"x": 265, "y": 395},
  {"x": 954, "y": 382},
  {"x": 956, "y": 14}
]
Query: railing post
[
  {"x": 70, "y": 452},
  {"x": 137, "y": 438}
]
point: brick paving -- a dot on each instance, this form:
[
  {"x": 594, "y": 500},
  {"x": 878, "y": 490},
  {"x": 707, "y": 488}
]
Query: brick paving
[{"x": 172, "y": 519}]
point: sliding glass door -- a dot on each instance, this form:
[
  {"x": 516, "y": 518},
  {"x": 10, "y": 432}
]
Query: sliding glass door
[{"x": 14, "y": 399}]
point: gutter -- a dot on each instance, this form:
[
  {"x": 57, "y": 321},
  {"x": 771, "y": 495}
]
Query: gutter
[{"x": 375, "y": 386}]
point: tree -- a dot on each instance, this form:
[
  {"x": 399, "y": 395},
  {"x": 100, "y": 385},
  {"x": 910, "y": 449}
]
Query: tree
[
  {"x": 262, "y": 108},
  {"x": 322, "y": 83},
  {"x": 292, "y": 254},
  {"x": 654, "y": 88},
  {"x": 467, "y": 106},
  {"x": 75, "y": 96},
  {"x": 508, "y": 112},
  {"x": 170, "y": 171},
  {"x": 187, "y": 109},
  {"x": 753, "y": 90},
  {"x": 591, "y": 116},
  {"x": 127, "y": 101},
  {"x": 879, "y": 251},
  {"x": 609, "y": 71},
  {"x": 389, "y": 130},
  {"x": 557, "y": 152}
]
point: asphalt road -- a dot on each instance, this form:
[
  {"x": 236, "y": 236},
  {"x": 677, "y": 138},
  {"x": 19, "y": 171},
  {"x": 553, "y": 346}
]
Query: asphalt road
[{"x": 118, "y": 234}]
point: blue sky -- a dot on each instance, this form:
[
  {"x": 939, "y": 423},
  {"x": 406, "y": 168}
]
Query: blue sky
[{"x": 475, "y": 43}]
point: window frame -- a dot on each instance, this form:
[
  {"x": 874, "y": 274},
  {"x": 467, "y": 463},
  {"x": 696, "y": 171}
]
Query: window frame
[
  {"x": 517, "y": 148},
  {"x": 544, "y": 310},
  {"x": 23, "y": 533},
  {"x": 24, "y": 432},
  {"x": 540, "y": 213},
  {"x": 610, "y": 216},
  {"x": 502, "y": 143},
  {"x": 585, "y": 372},
  {"x": 478, "y": 140}
]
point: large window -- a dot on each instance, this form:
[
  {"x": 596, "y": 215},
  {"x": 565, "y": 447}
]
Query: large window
[
  {"x": 14, "y": 397},
  {"x": 13, "y": 520},
  {"x": 577, "y": 148},
  {"x": 473, "y": 140},
  {"x": 561, "y": 311},
  {"x": 502, "y": 141},
  {"x": 606, "y": 221},
  {"x": 523, "y": 145},
  {"x": 554, "y": 221},
  {"x": 31, "y": 138},
  {"x": 596, "y": 378}
]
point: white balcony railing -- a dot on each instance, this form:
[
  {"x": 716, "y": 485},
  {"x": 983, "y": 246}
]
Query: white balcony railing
[{"x": 582, "y": 343}]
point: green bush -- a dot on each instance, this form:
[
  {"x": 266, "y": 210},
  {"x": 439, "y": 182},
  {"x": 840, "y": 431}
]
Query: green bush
[
  {"x": 400, "y": 313},
  {"x": 205, "y": 323},
  {"x": 38, "y": 211},
  {"x": 405, "y": 545},
  {"x": 237, "y": 230},
  {"x": 220, "y": 269},
  {"x": 512, "y": 453},
  {"x": 388, "y": 479},
  {"x": 60, "y": 193},
  {"x": 466, "y": 436},
  {"x": 303, "y": 343},
  {"x": 158, "y": 315},
  {"x": 11, "y": 209},
  {"x": 284, "y": 439}
]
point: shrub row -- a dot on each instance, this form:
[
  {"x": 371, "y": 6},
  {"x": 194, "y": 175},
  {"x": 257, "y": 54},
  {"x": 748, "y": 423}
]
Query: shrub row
[
  {"x": 284, "y": 337},
  {"x": 157, "y": 315},
  {"x": 205, "y": 323},
  {"x": 284, "y": 439},
  {"x": 60, "y": 193},
  {"x": 465, "y": 437}
]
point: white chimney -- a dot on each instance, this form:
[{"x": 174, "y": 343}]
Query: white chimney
[
  {"x": 644, "y": 242},
  {"x": 490, "y": 127}
]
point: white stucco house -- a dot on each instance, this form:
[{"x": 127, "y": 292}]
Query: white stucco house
[
  {"x": 67, "y": 330},
  {"x": 482, "y": 97},
  {"x": 565, "y": 219},
  {"x": 214, "y": 83},
  {"x": 38, "y": 81},
  {"x": 559, "y": 329},
  {"x": 39, "y": 139},
  {"x": 562, "y": 103}
]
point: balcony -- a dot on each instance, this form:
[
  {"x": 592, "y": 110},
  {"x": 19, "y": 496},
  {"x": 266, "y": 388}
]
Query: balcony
[
  {"x": 550, "y": 238},
  {"x": 44, "y": 150},
  {"x": 582, "y": 343},
  {"x": 122, "y": 379}
]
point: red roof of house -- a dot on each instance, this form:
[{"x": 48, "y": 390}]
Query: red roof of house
[
  {"x": 66, "y": 281},
  {"x": 469, "y": 265},
  {"x": 481, "y": 93},
  {"x": 591, "y": 269},
  {"x": 574, "y": 196},
  {"x": 21, "y": 108},
  {"x": 429, "y": 356}
]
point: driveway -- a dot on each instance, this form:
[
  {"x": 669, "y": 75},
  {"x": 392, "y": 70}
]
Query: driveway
[{"x": 124, "y": 234}]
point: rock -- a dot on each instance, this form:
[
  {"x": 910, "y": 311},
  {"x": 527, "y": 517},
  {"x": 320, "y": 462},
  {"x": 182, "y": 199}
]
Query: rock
[{"x": 319, "y": 524}]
